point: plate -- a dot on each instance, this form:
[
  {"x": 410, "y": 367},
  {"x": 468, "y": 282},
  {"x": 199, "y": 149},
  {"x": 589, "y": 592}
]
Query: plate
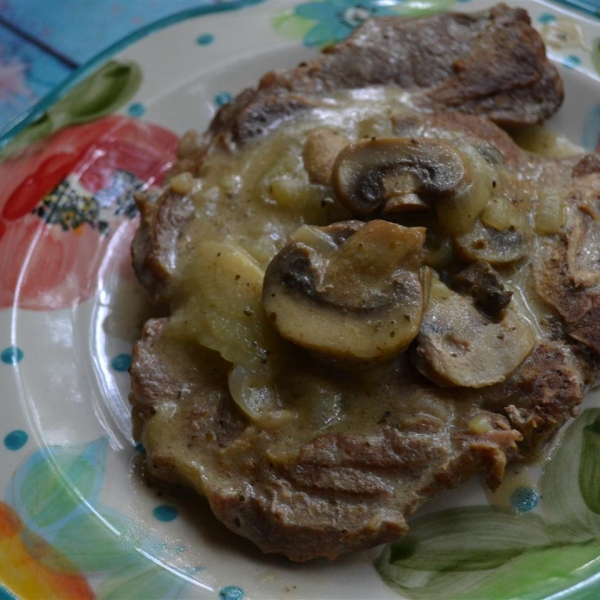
[{"x": 76, "y": 518}]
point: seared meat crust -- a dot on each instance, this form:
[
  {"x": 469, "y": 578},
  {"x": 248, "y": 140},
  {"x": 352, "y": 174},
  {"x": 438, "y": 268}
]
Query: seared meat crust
[
  {"x": 349, "y": 490},
  {"x": 491, "y": 63}
]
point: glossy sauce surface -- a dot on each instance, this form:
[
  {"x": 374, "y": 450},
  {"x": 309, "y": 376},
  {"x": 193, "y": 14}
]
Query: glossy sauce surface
[{"x": 247, "y": 204}]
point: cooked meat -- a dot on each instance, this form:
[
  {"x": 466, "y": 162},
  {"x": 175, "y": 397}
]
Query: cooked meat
[
  {"x": 490, "y": 63},
  {"x": 374, "y": 368}
]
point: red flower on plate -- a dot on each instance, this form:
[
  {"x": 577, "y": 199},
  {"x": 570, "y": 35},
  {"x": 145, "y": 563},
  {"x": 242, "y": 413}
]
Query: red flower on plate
[{"x": 66, "y": 202}]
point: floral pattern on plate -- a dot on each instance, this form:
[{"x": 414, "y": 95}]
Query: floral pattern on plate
[
  {"x": 56, "y": 536},
  {"x": 479, "y": 552},
  {"x": 326, "y": 22},
  {"x": 67, "y": 183},
  {"x": 57, "y": 518}
]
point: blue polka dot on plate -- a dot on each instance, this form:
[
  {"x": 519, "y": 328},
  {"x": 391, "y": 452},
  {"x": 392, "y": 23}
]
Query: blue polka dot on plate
[
  {"x": 571, "y": 61},
  {"x": 11, "y": 355},
  {"x": 121, "y": 362},
  {"x": 546, "y": 18},
  {"x": 524, "y": 499},
  {"x": 137, "y": 109},
  {"x": 222, "y": 98},
  {"x": 165, "y": 513},
  {"x": 231, "y": 592},
  {"x": 16, "y": 439},
  {"x": 140, "y": 448},
  {"x": 205, "y": 39}
]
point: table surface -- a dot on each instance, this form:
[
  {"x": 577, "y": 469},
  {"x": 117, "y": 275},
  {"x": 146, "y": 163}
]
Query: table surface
[{"x": 43, "y": 41}]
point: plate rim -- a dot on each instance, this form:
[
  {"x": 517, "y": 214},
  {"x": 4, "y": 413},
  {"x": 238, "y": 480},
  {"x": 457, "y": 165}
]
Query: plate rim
[{"x": 34, "y": 112}]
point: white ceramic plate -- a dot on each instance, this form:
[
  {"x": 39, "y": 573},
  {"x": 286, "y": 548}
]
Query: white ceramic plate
[{"x": 77, "y": 519}]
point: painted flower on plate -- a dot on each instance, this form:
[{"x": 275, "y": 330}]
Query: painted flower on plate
[
  {"x": 66, "y": 191},
  {"x": 32, "y": 568},
  {"x": 336, "y": 19},
  {"x": 60, "y": 541},
  {"x": 65, "y": 199},
  {"x": 479, "y": 552},
  {"x": 324, "y": 22}
]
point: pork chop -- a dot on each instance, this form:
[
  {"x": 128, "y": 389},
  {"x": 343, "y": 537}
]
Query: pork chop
[{"x": 373, "y": 296}]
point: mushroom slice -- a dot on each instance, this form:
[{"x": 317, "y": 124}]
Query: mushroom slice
[
  {"x": 386, "y": 174},
  {"x": 352, "y": 293},
  {"x": 497, "y": 247},
  {"x": 458, "y": 346}
]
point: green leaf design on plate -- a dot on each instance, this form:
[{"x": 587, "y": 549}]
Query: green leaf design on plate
[
  {"x": 98, "y": 542},
  {"x": 152, "y": 582},
  {"x": 536, "y": 574},
  {"x": 418, "y": 8},
  {"x": 565, "y": 511},
  {"x": 57, "y": 481},
  {"x": 478, "y": 552},
  {"x": 291, "y": 26},
  {"x": 102, "y": 93},
  {"x": 472, "y": 539},
  {"x": 451, "y": 552},
  {"x": 321, "y": 23},
  {"x": 589, "y": 466}
]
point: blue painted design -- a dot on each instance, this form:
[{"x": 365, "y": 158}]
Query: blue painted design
[
  {"x": 121, "y": 362},
  {"x": 99, "y": 59},
  {"x": 16, "y": 439},
  {"x": 546, "y": 18},
  {"x": 139, "y": 447},
  {"x": 571, "y": 61},
  {"x": 336, "y": 19},
  {"x": 222, "y": 98},
  {"x": 137, "y": 109},
  {"x": 524, "y": 499},
  {"x": 11, "y": 355},
  {"x": 590, "y": 137},
  {"x": 6, "y": 595},
  {"x": 231, "y": 592},
  {"x": 205, "y": 39},
  {"x": 165, "y": 513}
]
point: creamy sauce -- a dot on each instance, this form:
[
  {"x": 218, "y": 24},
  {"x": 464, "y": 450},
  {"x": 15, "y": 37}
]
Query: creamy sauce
[
  {"x": 247, "y": 204},
  {"x": 544, "y": 141}
]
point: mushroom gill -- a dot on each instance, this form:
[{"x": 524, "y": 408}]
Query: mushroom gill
[{"x": 351, "y": 293}]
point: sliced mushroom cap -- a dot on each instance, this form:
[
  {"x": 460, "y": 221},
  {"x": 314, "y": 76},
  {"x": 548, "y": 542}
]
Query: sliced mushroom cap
[
  {"x": 351, "y": 292},
  {"x": 395, "y": 175},
  {"x": 497, "y": 247},
  {"x": 458, "y": 346}
]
